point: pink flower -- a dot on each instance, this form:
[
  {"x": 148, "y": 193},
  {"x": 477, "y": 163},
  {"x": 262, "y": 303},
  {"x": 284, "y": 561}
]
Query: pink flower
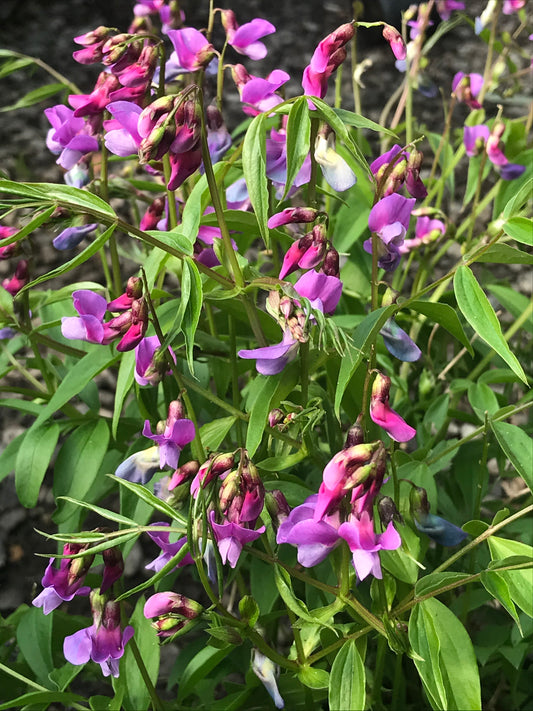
[
  {"x": 231, "y": 537},
  {"x": 61, "y": 585},
  {"x": 178, "y": 432},
  {"x": 446, "y": 7},
  {"x": 327, "y": 57},
  {"x": 244, "y": 38},
  {"x": 89, "y": 326},
  {"x": 395, "y": 41},
  {"x": 511, "y": 6},
  {"x": 389, "y": 219},
  {"x": 148, "y": 371},
  {"x": 322, "y": 291},
  {"x": 193, "y": 51},
  {"x": 365, "y": 544},
  {"x": 383, "y": 415}
]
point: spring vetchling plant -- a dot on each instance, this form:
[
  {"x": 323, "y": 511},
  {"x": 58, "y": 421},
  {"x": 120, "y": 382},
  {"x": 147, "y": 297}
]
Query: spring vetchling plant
[{"x": 320, "y": 365}]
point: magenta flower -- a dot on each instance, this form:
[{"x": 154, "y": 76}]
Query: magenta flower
[
  {"x": 19, "y": 279},
  {"x": 89, "y": 326},
  {"x": 427, "y": 230},
  {"x": 271, "y": 360},
  {"x": 389, "y": 219},
  {"x": 322, "y": 291},
  {"x": 327, "y": 57},
  {"x": 364, "y": 544},
  {"x": 168, "y": 550},
  {"x": 475, "y": 138},
  {"x": 479, "y": 138},
  {"x": 178, "y": 432},
  {"x": 314, "y": 539},
  {"x": 93, "y": 104},
  {"x": 231, "y": 537},
  {"x": 244, "y": 38},
  {"x": 172, "y": 610},
  {"x": 61, "y": 585},
  {"x": 193, "y": 51},
  {"x": 395, "y": 41},
  {"x": 72, "y": 236},
  {"x": 259, "y": 95},
  {"x": 511, "y": 6},
  {"x": 103, "y": 641},
  {"x": 292, "y": 214},
  {"x": 446, "y": 7},
  {"x": 276, "y": 160},
  {"x": 467, "y": 88},
  {"x": 383, "y": 415},
  {"x": 10, "y": 249},
  {"x": 122, "y": 137}
]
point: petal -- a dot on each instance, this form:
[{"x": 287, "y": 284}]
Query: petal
[
  {"x": 398, "y": 342},
  {"x": 366, "y": 562},
  {"x": 77, "y": 647},
  {"x": 390, "y": 209},
  {"x": 396, "y": 427},
  {"x": 251, "y": 31},
  {"x": 441, "y": 531},
  {"x": 390, "y": 540},
  {"x": 87, "y": 302}
]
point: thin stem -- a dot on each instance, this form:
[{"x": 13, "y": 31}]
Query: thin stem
[
  {"x": 378, "y": 674},
  {"x": 113, "y": 251},
  {"x": 487, "y": 72},
  {"x": 311, "y": 187},
  {"x": 304, "y": 374},
  {"x": 444, "y": 139},
  {"x": 171, "y": 195},
  {"x": 220, "y": 77},
  {"x": 157, "y": 704},
  {"x": 235, "y": 389}
]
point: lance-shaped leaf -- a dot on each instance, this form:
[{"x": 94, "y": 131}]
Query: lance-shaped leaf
[
  {"x": 254, "y": 167},
  {"x": 480, "y": 315}
]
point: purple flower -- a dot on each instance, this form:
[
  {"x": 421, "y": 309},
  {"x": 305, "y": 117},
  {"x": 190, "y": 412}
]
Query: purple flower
[
  {"x": 89, "y": 325},
  {"x": 389, "y": 219},
  {"x": 475, "y": 138},
  {"x": 322, "y": 291},
  {"x": 72, "y": 236},
  {"x": 446, "y": 7},
  {"x": 168, "y": 550},
  {"x": 231, "y": 537},
  {"x": 61, "y": 585},
  {"x": 327, "y": 57},
  {"x": 314, "y": 539},
  {"x": 178, "y": 432},
  {"x": 148, "y": 371},
  {"x": 68, "y": 136},
  {"x": 193, "y": 51},
  {"x": 272, "y": 359},
  {"x": 243, "y": 38},
  {"x": 365, "y": 544},
  {"x": 276, "y": 160},
  {"x": 511, "y": 6},
  {"x": 467, "y": 88},
  {"x": 103, "y": 641},
  {"x": 173, "y": 612},
  {"x": 398, "y": 343}
]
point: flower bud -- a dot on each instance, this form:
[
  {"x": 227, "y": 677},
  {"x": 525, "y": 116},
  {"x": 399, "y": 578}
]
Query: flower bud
[
  {"x": 275, "y": 417},
  {"x": 388, "y": 511},
  {"x": 395, "y": 40},
  {"x": 292, "y": 214},
  {"x": 229, "y": 489},
  {"x": 330, "y": 265},
  {"x": 267, "y": 671},
  {"x": 152, "y": 216},
  {"x": 113, "y": 568},
  {"x": 314, "y": 254},
  {"x": 182, "y": 474},
  {"x": 19, "y": 280},
  {"x": 77, "y": 567},
  {"x": 354, "y": 436},
  {"x": 277, "y": 506},
  {"x": 418, "y": 503}
]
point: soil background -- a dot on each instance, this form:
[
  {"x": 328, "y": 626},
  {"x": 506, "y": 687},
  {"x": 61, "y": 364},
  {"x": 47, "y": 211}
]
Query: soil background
[{"x": 45, "y": 30}]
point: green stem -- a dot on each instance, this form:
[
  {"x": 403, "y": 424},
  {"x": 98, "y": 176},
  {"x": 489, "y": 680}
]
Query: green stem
[
  {"x": 444, "y": 139},
  {"x": 377, "y": 701},
  {"x": 235, "y": 389},
  {"x": 220, "y": 76},
  {"x": 171, "y": 195},
  {"x": 487, "y": 72},
  {"x": 157, "y": 704},
  {"x": 304, "y": 374},
  {"x": 311, "y": 187},
  {"x": 473, "y": 213},
  {"x": 355, "y": 84}
]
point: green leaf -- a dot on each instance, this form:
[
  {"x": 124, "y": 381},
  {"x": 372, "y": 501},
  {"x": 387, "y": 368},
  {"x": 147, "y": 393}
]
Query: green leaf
[
  {"x": 105, "y": 513},
  {"x": 496, "y": 586},
  {"x": 284, "y": 586},
  {"x": 145, "y": 495},
  {"x": 137, "y": 697},
  {"x": 364, "y": 336},
  {"x": 32, "y": 461},
  {"x": 519, "y": 582},
  {"x": 125, "y": 379},
  {"x": 352, "y": 119},
  {"x": 212, "y": 433},
  {"x": 84, "y": 371},
  {"x": 176, "y": 240},
  {"x": 313, "y": 678},
  {"x": 347, "y": 680},
  {"x": 437, "y": 581},
  {"x": 298, "y": 137},
  {"x": 331, "y": 117},
  {"x": 446, "y": 661},
  {"x": 78, "y": 462},
  {"x": 261, "y": 393},
  {"x": 517, "y": 447},
  {"x": 80, "y": 258},
  {"x": 446, "y": 317},
  {"x": 43, "y": 697},
  {"x": 519, "y": 196},
  {"x": 402, "y": 561},
  {"x": 34, "y": 638},
  {"x": 480, "y": 315},
  {"x": 199, "y": 667},
  {"x": 514, "y": 302},
  {"x": 191, "y": 292},
  {"x": 254, "y": 167},
  {"x": 34, "y": 97},
  {"x": 482, "y": 399},
  {"x": 505, "y": 254}
]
